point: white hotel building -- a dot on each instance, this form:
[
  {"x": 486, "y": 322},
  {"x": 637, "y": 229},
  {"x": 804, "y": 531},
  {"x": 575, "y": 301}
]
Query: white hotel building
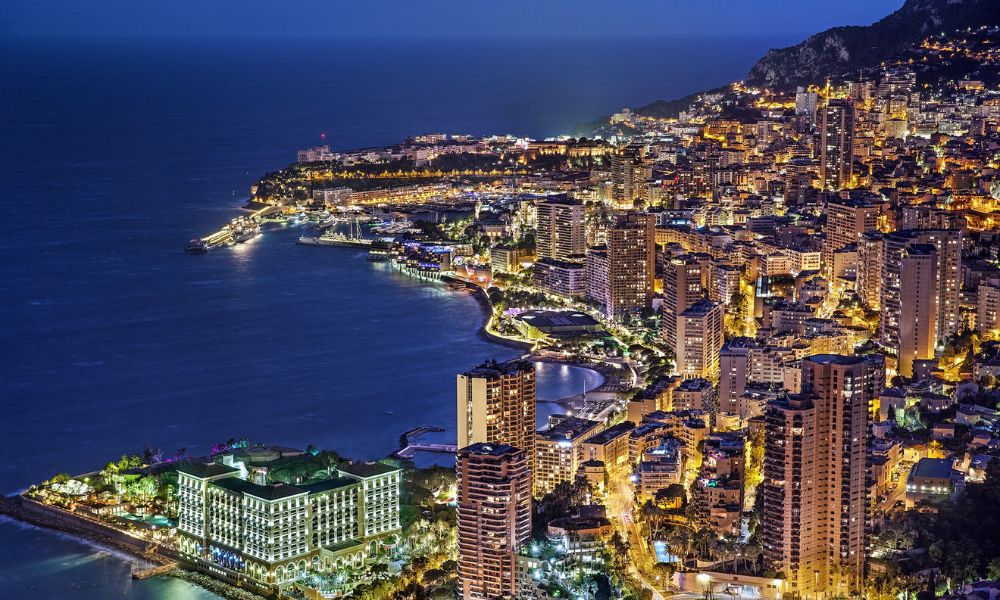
[{"x": 268, "y": 535}]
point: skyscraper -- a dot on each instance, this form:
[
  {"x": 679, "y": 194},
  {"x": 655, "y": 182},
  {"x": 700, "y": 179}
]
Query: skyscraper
[
  {"x": 622, "y": 274},
  {"x": 918, "y": 271},
  {"x": 494, "y": 518},
  {"x": 626, "y": 176},
  {"x": 684, "y": 280},
  {"x": 869, "y": 282},
  {"x": 836, "y": 145},
  {"x": 815, "y": 504},
  {"x": 496, "y": 405},
  {"x": 699, "y": 341},
  {"x": 897, "y": 302},
  {"x": 560, "y": 228}
]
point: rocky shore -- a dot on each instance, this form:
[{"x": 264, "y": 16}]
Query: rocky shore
[
  {"x": 39, "y": 515},
  {"x": 33, "y": 513}
]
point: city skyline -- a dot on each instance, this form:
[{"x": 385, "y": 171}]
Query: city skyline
[{"x": 742, "y": 343}]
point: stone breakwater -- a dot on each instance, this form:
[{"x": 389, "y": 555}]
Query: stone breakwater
[
  {"x": 40, "y": 515},
  {"x": 28, "y": 511}
]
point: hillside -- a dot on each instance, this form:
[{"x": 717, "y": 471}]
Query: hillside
[{"x": 843, "y": 50}]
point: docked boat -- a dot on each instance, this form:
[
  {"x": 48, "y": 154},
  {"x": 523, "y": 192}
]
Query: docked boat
[
  {"x": 243, "y": 229},
  {"x": 333, "y": 239}
]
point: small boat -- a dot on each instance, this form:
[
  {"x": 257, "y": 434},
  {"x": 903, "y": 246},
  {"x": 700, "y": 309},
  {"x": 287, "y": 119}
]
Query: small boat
[{"x": 196, "y": 246}]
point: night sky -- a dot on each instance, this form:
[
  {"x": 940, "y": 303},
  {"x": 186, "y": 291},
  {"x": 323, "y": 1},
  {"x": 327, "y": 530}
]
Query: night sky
[{"x": 428, "y": 18}]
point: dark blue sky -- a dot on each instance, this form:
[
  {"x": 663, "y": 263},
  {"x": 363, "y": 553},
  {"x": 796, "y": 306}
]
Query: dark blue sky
[{"x": 428, "y": 18}]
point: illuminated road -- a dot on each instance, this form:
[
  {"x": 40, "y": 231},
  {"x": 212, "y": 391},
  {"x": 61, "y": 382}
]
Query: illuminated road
[{"x": 620, "y": 501}]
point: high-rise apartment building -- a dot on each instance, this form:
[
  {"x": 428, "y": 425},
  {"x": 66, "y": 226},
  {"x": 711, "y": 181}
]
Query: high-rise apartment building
[
  {"x": 734, "y": 369},
  {"x": 805, "y": 104},
  {"x": 627, "y": 176},
  {"x": 897, "y": 303},
  {"x": 815, "y": 503},
  {"x": 918, "y": 271},
  {"x": 988, "y": 308},
  {"x": 560, "y": 230},
  {"x": 496, "y": 405},
  {"x": 684, "y": 283},
  {"x": 868, "y": 285},
  {"x": 846, "y": 221},
  {"x": 621, "y": 275},
  {"x": 494, "y": 518},
  {"x": 700, "y": 336},
  {"x": 836, "y": 145}
]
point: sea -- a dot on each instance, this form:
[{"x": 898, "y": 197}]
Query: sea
[{"x": 114, "y": 153}]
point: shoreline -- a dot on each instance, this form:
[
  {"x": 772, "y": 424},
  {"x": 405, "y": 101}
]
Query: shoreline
[
  {"x": 28, "y": 512},
  {"x": 479, "y": 294}
]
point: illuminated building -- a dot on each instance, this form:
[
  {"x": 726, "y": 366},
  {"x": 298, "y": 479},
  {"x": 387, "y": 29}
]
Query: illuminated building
[
  {"x": 558, "y": 452},
  {"x": 988, "y": 308},
  {"x": 699, "y": 340},
  {"x": 718, "y": 491},
  {"x": 627, "y": 175},
  {"x": 805, "y": 105},
  {"x": 561, "y": 277},
  {"x": 621, "y": 275},
  {"x": 610, "y": 446},
  {"x": 494, "y": 518},
  {"x": 560, "y": 228},
  {"x": 931, "y": 479},
  {"x": 903, "y": 282},
  {"x": 846, "y": 220},
  {"x": 267, "y": 535},
  {"x": 684, "y": 280},
  {"x": 496, "y": 405},
  {"x": 918, "y": 327},
  {"x": 836, "y": 144},
  {"x": 734, "y": 367},
  {"x": 659, "y": 467},
  {"x": 869, "y": 282},
  {"x": 695, "y": 394},
  {"x": 815, "y": 503}
]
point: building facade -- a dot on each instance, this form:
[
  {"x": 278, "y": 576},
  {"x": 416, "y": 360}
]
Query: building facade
[
  {"x": 268, "y": 535},
  {"x": 815, "y": 501},
  {"x": 699, "y": 341},
  {"x": 494, "y": 518},
  {"x": 496, "y": 405}
]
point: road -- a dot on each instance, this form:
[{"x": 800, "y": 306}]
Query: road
[
  {"x": 620, "y": 502},
  {"x": 897, "y": 494}
]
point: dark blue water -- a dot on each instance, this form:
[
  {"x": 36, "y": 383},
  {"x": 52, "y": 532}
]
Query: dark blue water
[{"x": 112, "y": 339}]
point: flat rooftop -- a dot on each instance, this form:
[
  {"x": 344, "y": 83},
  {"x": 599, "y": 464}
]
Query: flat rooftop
[
  {"x": 935, "y": 468},
  {"x": 568, "y": 429}
]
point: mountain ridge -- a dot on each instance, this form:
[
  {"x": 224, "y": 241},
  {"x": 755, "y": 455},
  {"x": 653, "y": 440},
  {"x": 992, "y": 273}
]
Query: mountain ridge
[{"x": 842, "y": 50}]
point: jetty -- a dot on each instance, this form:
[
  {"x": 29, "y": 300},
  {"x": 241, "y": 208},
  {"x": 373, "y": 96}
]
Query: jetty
[
  {"x": 224, "y": 236},
  {"x": 414, "y": 447},
  {"x": 410, "y": 445},
  {"x": 147, "y": 570}
]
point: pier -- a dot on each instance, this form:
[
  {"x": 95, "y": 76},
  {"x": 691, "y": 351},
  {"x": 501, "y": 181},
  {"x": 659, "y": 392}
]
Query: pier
[
  {"x": 414, "y": 447},
  {"x": 145, "y": 571},
  {"x": 409, "y": 445},
  {"x": 224, "y": 236}
]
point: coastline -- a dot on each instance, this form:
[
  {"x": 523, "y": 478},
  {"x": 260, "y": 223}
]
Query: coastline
[
  {"x": 479, "y": 294},
  {"x": 29, "y": 512}
]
